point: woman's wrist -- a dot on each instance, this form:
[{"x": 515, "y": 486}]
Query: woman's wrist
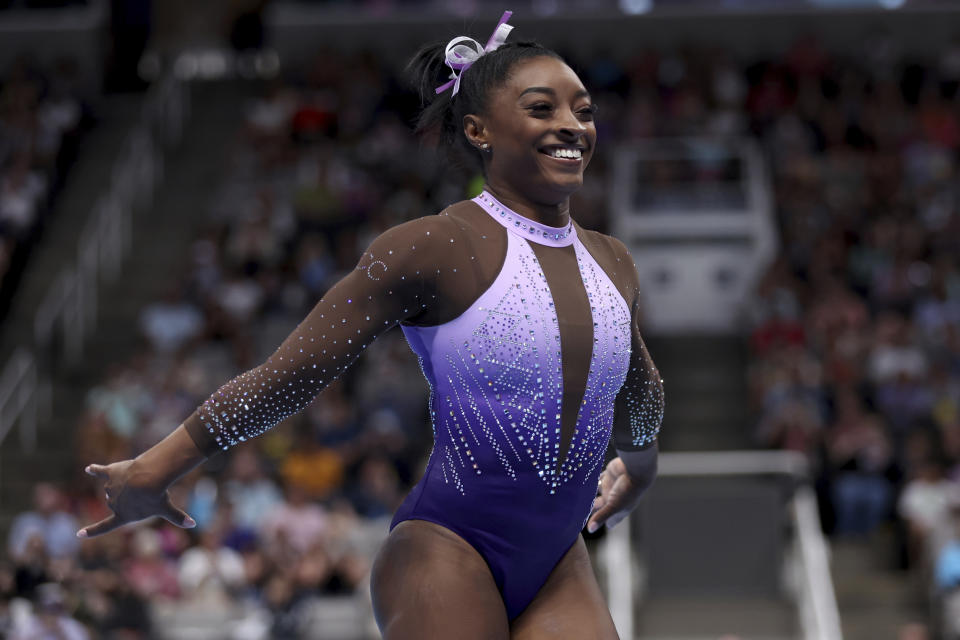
[
  {"x": 170, "y": 459},
  {"x": 641, "y": 466}
]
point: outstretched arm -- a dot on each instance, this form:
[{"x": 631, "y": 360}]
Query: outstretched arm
[{"x": 389, "y": 284}]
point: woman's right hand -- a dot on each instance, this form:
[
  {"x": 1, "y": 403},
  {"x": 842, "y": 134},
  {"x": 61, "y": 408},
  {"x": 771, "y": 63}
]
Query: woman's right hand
[{"x": 133, "y": 494}]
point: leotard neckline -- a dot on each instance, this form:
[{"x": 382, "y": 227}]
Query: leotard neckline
[{"x": 525, "y": 227}]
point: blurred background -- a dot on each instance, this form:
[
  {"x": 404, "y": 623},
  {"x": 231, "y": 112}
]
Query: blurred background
[{"x": 181, "y": 181}]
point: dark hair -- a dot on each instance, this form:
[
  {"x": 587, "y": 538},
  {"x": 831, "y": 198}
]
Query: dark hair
[{"x": 442, "y": 114}]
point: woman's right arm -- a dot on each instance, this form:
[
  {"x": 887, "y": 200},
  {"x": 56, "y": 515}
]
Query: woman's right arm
[{"x": 393, "y": 281}]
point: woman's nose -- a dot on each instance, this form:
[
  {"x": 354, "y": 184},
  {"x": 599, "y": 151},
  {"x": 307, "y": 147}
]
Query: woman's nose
[{"x": 572, "y": 126}]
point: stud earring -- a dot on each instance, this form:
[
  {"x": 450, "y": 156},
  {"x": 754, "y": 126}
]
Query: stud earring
[{"x": 485, "y": 146}]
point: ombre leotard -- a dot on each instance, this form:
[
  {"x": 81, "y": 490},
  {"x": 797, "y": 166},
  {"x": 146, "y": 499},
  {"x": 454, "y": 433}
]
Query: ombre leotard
[{"x": 527, "y": 335}]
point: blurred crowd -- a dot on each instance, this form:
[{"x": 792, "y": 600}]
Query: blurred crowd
[
  {"x": 42, "y": 117},
  {"x": 856, "y": 326},
  {"x": 39, "y": 4},
  {"x": 855, "y": 334}
]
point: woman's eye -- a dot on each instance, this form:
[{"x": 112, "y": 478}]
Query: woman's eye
[
  {"x": 587, "y": 112},
  {"x": 543, "y": 109},
  {"x": 540, "y": 108}
]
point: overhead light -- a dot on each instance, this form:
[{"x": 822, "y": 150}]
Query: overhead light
[{"x": 635, "y": 7}]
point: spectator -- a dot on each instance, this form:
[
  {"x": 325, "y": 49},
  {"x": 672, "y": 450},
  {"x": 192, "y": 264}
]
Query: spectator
[
  {"x": 925, "y": 505},
  {"x": 149, "y": 574},
  {"x": 314, "y": 469},
  {"x": 21, "y": 195},
  {"x": 249, "y": 491},
  {"x": 172, "y": 323},
  {"x": 860, "y": 450},
  {"x": 377, "y": 493},
  {"x": 55, "y": 527},
  {"x": 49, "y": 620},
  {"x": 946, "y": 574},
  {"x": 295, "y": 526},
  {"x": 211, "y": 574}
]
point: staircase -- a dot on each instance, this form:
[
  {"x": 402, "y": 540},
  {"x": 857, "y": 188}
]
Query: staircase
[
  {"x": 87, "y": 179},
  {"x": 706, "y": 390},
  {"x": 875, "y": 597},
  {"x": 85, "y": 182},
  {"x": 161, "y": 239},
  {"x": 705, "y": 383}
]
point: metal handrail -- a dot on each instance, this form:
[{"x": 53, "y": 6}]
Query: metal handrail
[
  {"x": 18, "y": 398},
  {"x": 71, "y": 302},
  {"x": 68, "y": 310},
  {"x": 819, "y": 615}
]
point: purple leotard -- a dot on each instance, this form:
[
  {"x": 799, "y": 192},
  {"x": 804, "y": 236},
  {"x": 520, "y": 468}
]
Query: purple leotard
[
  {"x": 528, "y": 337},
  {"x": 495, "y": 476}
]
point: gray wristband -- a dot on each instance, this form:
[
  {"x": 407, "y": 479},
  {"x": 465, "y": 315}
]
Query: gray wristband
[{"x": 641, "y": 465}]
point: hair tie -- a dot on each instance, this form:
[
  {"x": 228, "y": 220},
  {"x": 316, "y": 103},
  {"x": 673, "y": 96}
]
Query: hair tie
[{"x": 461, "y": 52}]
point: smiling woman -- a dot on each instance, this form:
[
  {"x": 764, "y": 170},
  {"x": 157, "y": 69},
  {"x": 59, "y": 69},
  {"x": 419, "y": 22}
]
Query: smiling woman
[
  {"x": 516, "y": 103},
  {"x": 539, "y": 127},
  {"x": 525, "y": 325}
]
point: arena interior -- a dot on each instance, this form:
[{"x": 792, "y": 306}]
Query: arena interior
[{"x": 181, "y": 181}]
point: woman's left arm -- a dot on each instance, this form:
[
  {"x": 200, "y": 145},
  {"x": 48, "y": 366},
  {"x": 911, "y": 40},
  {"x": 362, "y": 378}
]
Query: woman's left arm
[{"x": 638, "y": 414}]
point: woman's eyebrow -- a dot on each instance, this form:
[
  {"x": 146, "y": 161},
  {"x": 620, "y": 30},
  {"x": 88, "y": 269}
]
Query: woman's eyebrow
[{"x": 579, "y": 94}]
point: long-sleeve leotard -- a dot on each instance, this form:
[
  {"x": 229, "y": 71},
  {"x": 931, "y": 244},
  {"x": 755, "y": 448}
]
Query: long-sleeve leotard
[
  {"x": 529, "y": 338},
  {"x": 425, "y": 272}
]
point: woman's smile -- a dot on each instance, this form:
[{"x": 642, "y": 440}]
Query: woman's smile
[{"x": 540, "y": 132}]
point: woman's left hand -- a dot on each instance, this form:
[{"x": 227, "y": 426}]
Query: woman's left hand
[{"x": 618, "y": 495}]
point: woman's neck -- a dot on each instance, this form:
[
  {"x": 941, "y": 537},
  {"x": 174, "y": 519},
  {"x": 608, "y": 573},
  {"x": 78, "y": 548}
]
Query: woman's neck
[{"x": 552, "y": 215}]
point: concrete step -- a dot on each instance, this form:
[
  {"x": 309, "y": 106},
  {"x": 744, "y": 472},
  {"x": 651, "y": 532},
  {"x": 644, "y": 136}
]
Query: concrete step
[
  {"x": 163, "y": 237},
  {"x": 702, "y": 618},
  {"x": 706, "y": 407},
  {"x": 875, "y": 599},
  {"x": 85, "y": 182},
  {"x": 706, "y": 390},
  {"x": 717, "y": 378}
]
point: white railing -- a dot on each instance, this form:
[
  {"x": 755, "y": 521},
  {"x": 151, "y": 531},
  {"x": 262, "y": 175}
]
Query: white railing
[
  {"x": 70, "y": 306},
  {"x": 19, "y": 398},
  {"x": 819, "y": 617},
  {"x": 67, "y": 313},
  {"x": 816, "y": 601},
  {"x": 617, "y": 555}
]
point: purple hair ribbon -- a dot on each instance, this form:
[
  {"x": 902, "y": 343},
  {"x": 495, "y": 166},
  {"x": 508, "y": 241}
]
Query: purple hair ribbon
[{"x": 461, "y": 52}]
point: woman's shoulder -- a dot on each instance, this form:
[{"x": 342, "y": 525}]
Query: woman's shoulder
[
  {"x": 426, "y": 233},
  {"x": 463, "y": 221},
  {"x": 605, "y": 245},
  {"x": 445, "y": 223},
  {"x": 447, "y": 237},
  {"x": 614, "y": 258}
]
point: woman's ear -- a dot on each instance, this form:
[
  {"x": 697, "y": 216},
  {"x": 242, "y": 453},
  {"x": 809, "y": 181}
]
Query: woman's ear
[{"x": 475, "y": 131}]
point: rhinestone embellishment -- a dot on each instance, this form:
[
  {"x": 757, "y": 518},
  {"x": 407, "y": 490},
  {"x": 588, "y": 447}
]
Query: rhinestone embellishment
[{"x": 520, "y": 223}]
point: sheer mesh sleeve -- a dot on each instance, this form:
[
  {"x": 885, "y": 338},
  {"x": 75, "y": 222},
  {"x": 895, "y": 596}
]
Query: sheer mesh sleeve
[
  {"x": 398, "y": 279},
  {"x": 638, "y": 412}
]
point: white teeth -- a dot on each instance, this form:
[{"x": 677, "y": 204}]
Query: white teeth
[{"x": 566, "y": 153}]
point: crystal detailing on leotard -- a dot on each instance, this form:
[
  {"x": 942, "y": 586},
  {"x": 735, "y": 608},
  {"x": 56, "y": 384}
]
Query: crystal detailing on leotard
[
  {"x": 529, "y": 229},
  {"x": 611, "y": 350},
  {"x": 644, "y": 409},
  {"x": 640, "y": 403},
  {"x": 400, "y": 275},
  {"x": 497, "y": 373},
  {"x": 395, "y": 279},
  {"x": 469, "y": 295}
]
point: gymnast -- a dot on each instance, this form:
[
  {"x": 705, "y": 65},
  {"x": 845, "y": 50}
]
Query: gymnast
[{"x": 526, "y": 328}]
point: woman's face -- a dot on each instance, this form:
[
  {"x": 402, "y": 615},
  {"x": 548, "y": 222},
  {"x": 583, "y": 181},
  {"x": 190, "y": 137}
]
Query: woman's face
[{"x": 540, "y": 129}]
